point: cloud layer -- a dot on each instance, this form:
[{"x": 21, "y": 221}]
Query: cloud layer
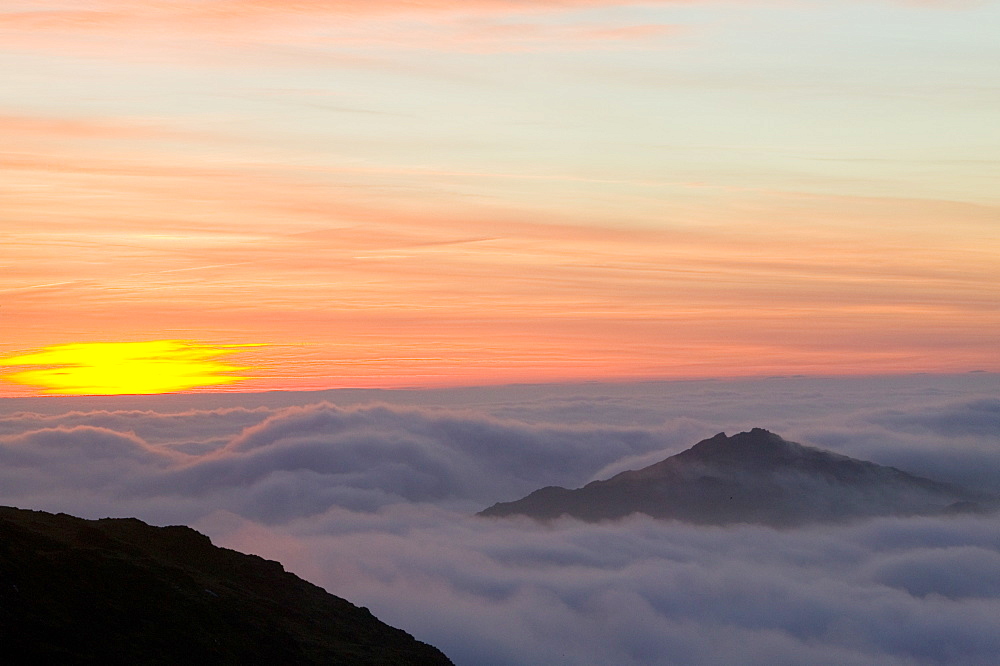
[{"x": 373, "y": 499}]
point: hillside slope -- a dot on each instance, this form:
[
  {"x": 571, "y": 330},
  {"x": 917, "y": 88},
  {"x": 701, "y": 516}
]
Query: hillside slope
[{"x": 119, "y": 591}]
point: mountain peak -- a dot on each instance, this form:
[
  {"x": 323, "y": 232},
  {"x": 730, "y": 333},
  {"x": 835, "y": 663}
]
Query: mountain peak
[
  {"x": 752, "y": 477},
  {"x": 752, "y": 437},
  {"x": 756, "y": 444}
]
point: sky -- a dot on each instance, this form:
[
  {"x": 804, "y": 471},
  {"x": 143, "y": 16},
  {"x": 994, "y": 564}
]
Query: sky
[
  {"x": 336, "y": 194},
  {"x": 372, "y": 495},
  {"x": 323, "y": 279}
]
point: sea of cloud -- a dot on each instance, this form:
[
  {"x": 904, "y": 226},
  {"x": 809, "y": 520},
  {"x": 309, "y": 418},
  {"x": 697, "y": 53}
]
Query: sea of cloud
[{"x": 373, "y": 494}]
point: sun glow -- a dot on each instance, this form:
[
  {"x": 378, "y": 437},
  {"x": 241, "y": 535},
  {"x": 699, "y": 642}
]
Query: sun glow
[{"x": 118, "y": 368}]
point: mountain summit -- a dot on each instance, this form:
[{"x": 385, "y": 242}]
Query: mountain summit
[{"x": 751, "y": 477}]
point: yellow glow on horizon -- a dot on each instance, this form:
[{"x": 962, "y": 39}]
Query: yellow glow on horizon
[{"x": 120, "y": 368}]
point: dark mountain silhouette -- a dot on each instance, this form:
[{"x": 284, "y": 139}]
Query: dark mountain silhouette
[
  {"x": 118, "y": 591},
  {"x": 752, "y": 477}
]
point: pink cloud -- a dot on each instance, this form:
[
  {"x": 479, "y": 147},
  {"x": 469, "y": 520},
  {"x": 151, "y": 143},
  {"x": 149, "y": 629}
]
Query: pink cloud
[
  {"x": 193, "y": 29},
  {"x": 21, "y": 128},
  {"x": 170, "y": 29}
]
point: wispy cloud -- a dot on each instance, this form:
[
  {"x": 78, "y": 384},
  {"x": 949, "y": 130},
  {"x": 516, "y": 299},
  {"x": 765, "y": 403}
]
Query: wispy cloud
[
  {"x": 277, "y": 254},
  {"x": 430, "y": 193},
  {"x": 479, "y": 25}
]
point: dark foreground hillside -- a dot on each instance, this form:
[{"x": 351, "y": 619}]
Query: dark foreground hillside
[{"x": 119, "y": 591}]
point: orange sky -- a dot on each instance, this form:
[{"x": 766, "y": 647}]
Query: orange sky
[{"x": 503, "y": 192}]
